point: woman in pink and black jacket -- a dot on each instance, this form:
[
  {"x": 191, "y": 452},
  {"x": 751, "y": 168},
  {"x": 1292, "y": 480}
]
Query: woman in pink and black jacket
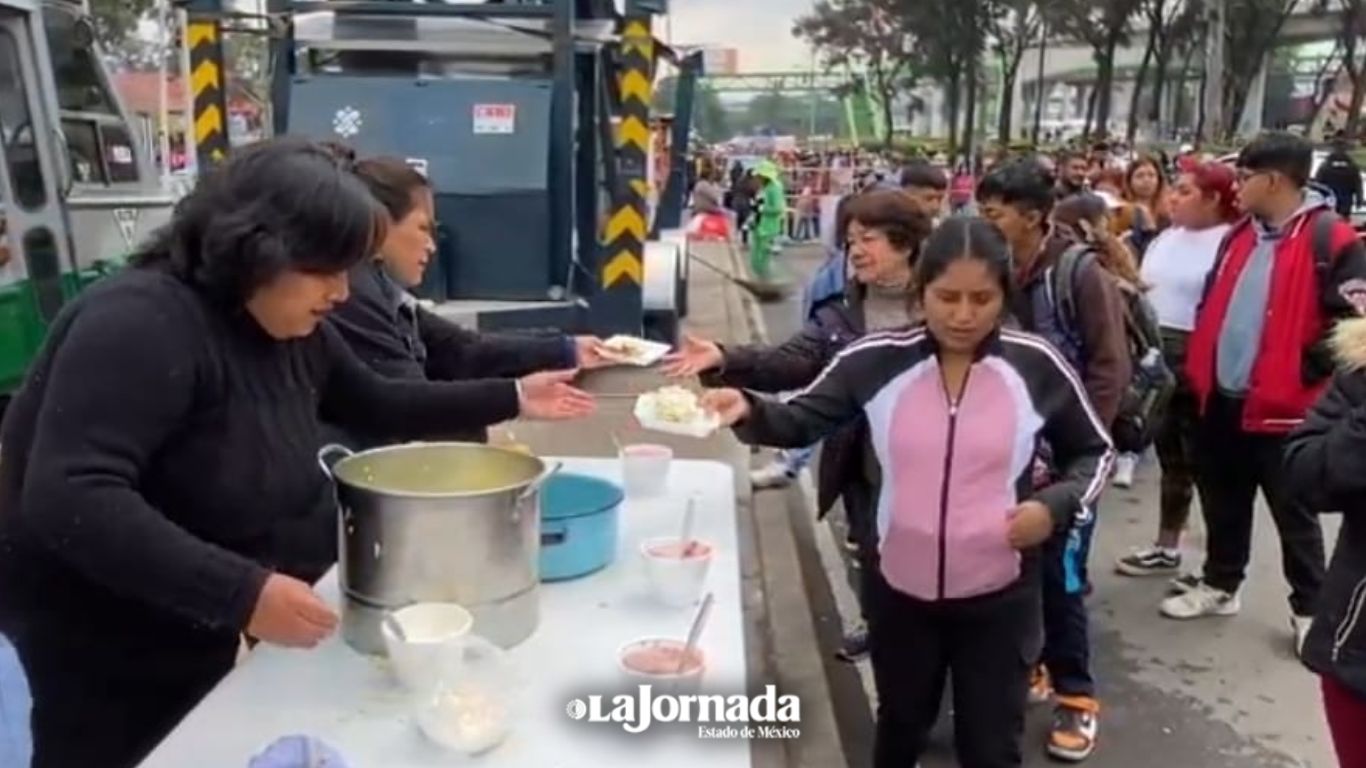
[{"x": 956, "y": 412}]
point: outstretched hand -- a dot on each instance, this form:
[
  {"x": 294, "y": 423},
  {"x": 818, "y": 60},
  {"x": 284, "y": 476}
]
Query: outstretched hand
[
  {"x": 549, "y": 396},
  {"x": 591, "y": 353},
  {"x": 729, "y": 405},
  {"x": 692, "y": 357}
]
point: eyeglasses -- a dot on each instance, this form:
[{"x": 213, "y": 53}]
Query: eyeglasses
[{"x": 1245, "y": 175}]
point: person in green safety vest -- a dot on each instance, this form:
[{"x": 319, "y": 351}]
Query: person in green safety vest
[{"x": 769, "y": 222}]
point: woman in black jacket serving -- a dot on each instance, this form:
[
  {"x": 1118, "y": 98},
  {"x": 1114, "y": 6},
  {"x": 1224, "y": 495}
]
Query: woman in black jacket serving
[
  {"x": 159, "y": 486},
  {"x": 956, "y": 411},
  {"x": 1325, "y": 459},
  {"x": 396, "y": 337}
]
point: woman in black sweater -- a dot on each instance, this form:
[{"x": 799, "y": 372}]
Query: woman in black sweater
[
  {"x": 159, "y": 484},
  {"x": 398, "y": 338},
  {"x": 1325, "y": 464}
]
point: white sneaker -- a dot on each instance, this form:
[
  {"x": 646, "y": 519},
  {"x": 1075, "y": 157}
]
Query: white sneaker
[
  {"x": 1300, "y": 626},
  {"x": 1125, "y": 465},
  {"x": 774, "y": 475},
  {"x": 1203, "y": 600}
]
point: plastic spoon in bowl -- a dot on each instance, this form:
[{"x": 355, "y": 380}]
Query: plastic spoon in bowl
[
  {"x": 695, "y": 632},
  {"x": 689, "y": 516}
]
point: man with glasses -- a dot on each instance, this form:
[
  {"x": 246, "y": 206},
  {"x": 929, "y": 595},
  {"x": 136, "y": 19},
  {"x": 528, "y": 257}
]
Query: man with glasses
[{"x": 1257, "y": 360}]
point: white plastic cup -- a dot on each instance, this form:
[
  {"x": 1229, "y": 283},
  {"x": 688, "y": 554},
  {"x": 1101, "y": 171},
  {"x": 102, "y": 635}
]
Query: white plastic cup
[
  {"x": 653, "y": 661},
  {"x": 675, "y": 580},
  {"x": 428, "y": 630},
  {"x": 645, "y": 469}
]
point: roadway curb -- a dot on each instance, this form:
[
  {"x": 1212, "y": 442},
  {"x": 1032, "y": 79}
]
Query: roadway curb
[{"x": 790, "y": 646}]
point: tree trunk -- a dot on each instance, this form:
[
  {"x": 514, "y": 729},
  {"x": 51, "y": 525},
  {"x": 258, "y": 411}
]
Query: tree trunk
[
  {"x": 1105, "y": 77},
  {"x": 970, "y": 116},
  {"x": 1090, "y": 112},
  {"x": 1161, "y": 63},
  {"x": 1039, "y": 82},
  {"x": 887, "y": 93},
  {"x": 1010, "y": 70},
  {"x": 1205, "y": 85},
  {"x": 1140, "y": 78},
  {"x": 1357, "y": 71},
  {"x": 1178, "y": 109},
  {"x": 951, "y": 99},
  {"x": 1239, "y": 79}
]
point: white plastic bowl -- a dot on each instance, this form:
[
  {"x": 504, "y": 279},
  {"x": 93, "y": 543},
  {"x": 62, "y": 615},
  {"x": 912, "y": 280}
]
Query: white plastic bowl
[
  {"x": 645, "y": 469},
  {"x": 673, "y": 580},
  {"x": 469, "y": 719},
  {"x": 663, "y": 679},
  {"x": 427, "y": 628}
]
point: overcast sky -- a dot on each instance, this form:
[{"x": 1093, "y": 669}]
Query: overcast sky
[{"x": 760, "y": 29}]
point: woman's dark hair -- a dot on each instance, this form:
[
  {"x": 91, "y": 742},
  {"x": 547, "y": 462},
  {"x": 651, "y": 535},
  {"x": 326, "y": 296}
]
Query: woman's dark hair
[
  {"x": 893, "y": 214},
  {"x": 276, "y": 206},
  {"x": 1111, "y": 252},
  {"x": 964, "y": 237},
  {"x": 391, "y": 180}
]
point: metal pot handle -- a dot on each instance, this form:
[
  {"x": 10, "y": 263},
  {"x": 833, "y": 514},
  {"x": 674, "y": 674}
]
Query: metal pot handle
[
  {"x": 330, "y": 454},
  {"x": 536, "y": 484}
]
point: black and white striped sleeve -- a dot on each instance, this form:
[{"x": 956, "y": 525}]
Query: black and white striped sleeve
[
  {"x": 802, "y": 419},
  {"x": 1082, "y": 450}
]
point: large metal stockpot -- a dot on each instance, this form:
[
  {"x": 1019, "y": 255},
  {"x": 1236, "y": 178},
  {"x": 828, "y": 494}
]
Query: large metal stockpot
[{"x": 438, "y": 522}]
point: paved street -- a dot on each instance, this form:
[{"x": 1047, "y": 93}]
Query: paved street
[{"x": 1214, "y": 693}]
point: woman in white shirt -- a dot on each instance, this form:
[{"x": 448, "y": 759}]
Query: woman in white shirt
[{"x": 1203, "y": 203}]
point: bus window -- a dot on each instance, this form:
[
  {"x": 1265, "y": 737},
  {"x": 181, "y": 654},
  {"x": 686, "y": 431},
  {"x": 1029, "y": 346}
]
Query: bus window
[
  {"x": 80, "y": 84},
  {"x": 16, "y": 127}
]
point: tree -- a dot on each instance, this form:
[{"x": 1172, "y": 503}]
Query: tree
[
  {"x": 862, "y": 35},
  {"x": 949, "y": 40},
  {"x": 1252, "y": 29},
  {"x": 116, "y": 23},
  {"x": 1103, "y": 25},
  {"x": 1173, "y": 25},
  {"x": 1351, "y": 28},
  {"x": 1014, "y": 26}
]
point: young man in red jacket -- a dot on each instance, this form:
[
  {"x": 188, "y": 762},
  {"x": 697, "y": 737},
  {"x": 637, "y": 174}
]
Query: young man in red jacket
[{"x": 1257, "y": 360}]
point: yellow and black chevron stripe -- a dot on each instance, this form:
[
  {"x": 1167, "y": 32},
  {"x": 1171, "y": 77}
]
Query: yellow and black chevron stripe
[
  {"x": 210, "y": 119},
  {"x": 626, "y": 229}
]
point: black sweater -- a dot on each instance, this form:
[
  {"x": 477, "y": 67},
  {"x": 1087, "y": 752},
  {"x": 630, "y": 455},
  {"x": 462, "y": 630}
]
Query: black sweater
[
  {"x": 159, "y": 462},
  {"x": 405, "y": 341}
]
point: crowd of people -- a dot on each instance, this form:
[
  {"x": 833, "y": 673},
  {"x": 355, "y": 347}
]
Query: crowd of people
[
  {"x": 1087, "y": 313},
  {"x": 973, "y": 377}
]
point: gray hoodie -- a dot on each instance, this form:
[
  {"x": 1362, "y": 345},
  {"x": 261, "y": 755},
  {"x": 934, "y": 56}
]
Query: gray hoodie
[{"x": 1241, "y": 336}]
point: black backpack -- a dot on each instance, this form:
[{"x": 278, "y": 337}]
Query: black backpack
[{"x": 1150, "y": 387}]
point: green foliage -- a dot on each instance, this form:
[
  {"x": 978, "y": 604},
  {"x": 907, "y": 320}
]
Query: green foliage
[
  {"x": 116, "y": 21},
  {"x": 864, "y": 35}
]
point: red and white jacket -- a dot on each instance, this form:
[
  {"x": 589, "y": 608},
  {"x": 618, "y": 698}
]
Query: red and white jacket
[{"x": 1293, "y": 361}]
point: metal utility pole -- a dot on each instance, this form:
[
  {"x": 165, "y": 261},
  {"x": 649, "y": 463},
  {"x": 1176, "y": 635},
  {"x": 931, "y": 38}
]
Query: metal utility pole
[{"x": 1216, "y": 18}]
